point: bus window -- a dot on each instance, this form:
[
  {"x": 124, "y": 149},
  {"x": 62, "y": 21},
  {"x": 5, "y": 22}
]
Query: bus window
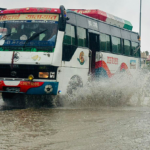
[
  {"x": 134, "y": 46},
  {"x": 81, "y": 35},
  {"x": 73, "y": 35},
  {"x": 116, "y": 45},
  {"x": 67, "y": 37},
  {"x": 127, "y": 47},
  {"x": 104, "y": 42},
  {"x": 69, "y": 43}
]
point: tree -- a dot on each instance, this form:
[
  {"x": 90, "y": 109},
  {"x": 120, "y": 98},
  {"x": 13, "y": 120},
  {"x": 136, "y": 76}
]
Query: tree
[{"x": 147, "y": 53}]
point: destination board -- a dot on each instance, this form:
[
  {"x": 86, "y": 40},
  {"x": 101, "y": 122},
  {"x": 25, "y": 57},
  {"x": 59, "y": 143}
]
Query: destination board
[{"x": 15, "y": 17}]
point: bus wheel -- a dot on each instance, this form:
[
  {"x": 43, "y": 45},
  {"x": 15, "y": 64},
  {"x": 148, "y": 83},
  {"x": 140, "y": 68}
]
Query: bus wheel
[
  {"x": 13, "y": 99},
  {"x": 74, "y": 83}
]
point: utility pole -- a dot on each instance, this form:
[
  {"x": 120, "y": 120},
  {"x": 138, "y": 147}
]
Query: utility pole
[
  {"x": 140, "y": 28},
  {"x": 140, "y": 21},
  {"x": 139, "y": 36}
]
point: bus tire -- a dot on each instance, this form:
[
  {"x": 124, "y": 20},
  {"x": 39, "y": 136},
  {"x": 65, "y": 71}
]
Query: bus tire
[{"x": 14, "y": 99}]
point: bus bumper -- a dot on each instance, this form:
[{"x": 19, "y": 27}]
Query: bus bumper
[{"x": 29, "y": 87}]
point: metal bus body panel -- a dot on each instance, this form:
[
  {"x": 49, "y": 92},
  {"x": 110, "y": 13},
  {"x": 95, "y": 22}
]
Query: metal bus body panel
[
  {"x": 57, "y": 57},
  {"x": 26, "y": 57},
  {"x": 65, "y": 74},
  {"x": 76, "y": 61},
  {"x": 110, "y": 64}
]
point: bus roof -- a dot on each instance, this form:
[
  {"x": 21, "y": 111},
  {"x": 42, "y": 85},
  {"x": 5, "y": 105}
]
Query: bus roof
[
  {"x": 102, "y": 27},
  {"x": 70, "y": 11},
  {"x": 30, "y": 10},
  {"x": 106, "y": 17}
]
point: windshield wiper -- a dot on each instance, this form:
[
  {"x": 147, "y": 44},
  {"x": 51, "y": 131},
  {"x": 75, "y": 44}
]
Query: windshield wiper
[
  {"x": 33, "y": 37},
  {"x": 6, "y": 35}
]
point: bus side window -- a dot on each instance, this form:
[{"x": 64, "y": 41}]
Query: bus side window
[
  {"x": 127, "y": 47},
  {"x": 67, "y": 37},
  {"x": 116, "y": 45},
  {"x": 73, "y": 38},
  {"x": 134, "y": 46},
  {"x": 105, "y": 42},
  {"x": 69, "y": 43},
  {"x": 81, "y": 36}
]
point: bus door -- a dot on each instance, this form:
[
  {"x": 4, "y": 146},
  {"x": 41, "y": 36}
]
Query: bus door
[{"x": 93, "y": 46}]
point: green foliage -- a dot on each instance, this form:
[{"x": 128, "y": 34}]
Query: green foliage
[{"x": 147, "y": 53}]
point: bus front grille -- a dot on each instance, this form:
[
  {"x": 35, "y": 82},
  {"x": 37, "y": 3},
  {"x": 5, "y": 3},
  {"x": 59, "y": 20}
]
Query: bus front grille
[{"x": 23, "y": 71}]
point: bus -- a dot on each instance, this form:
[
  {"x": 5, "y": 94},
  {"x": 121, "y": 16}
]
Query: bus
[{"x": 48, "y": 51}]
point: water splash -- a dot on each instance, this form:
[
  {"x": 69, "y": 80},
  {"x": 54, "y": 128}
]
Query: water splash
[{"x": 120, "y": 90}]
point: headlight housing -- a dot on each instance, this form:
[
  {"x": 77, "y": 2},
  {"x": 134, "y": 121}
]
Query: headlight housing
[
  {"x": 52, "y": 75},
  {"x": 44, "y": 75}
]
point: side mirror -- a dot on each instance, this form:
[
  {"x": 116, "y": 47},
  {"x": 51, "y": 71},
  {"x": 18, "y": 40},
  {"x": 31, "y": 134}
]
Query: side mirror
[
  {"x": 67, "y": 19},
  {"x": 63, "y": 13},
  {"x": 63, "y": 18}
]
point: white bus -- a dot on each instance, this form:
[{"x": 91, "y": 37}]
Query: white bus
[{"x": 44, "y": 50}]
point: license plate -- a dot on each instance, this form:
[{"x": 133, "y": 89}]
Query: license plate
[{"x": 12, "y": 89}]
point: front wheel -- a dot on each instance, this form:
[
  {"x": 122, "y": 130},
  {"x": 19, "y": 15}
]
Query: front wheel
[
  {"x": 25, "y": 101},
  {"x": 14, "y": 99},
  {"x": 74, "y": 84}
]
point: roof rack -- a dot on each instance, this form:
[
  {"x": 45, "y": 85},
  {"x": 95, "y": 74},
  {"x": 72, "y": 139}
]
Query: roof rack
[{"x": 3, "y": 9}]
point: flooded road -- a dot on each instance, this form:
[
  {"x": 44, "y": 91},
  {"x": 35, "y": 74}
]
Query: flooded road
[
  {"x": 118, "y": 128},
  {"x": 112, "y": 115}
]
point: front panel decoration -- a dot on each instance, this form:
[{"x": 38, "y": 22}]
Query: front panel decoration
[
  {"x": 81, "y": 58},
  {"x": 27, "y": 87}
]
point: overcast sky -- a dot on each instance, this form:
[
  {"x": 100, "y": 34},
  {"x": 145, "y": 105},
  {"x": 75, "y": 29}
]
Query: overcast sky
[{"x": 125, "y": 9}]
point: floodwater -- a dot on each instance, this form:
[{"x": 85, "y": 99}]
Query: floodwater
[
  {"x": 97, "y": 118},
  {"x": 119, "y": 128}
]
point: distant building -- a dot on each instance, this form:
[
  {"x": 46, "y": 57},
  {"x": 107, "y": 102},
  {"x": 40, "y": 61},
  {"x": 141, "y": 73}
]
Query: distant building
[
  {"x": 144, "y": 59},
  {"x": 148, "y": 61}
]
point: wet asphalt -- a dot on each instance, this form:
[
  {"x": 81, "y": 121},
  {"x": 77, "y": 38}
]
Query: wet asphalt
[{"x": 64, "y": 128}]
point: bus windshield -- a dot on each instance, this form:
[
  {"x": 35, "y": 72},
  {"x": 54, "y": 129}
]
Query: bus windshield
[{"x": 39, "y": 35}]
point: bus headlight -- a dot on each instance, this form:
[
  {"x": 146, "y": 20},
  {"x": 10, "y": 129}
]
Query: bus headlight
[
  {"x": 44, "y": 75},
  {"x": 31, "y": 77}
]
